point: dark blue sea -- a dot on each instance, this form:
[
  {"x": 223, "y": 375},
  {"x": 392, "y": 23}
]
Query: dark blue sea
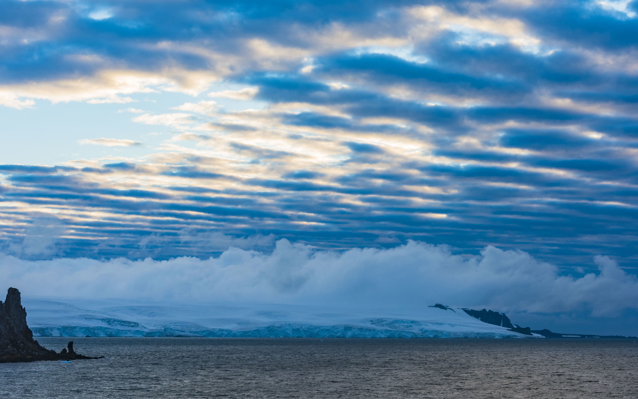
[{"x": 330, "y": 368}]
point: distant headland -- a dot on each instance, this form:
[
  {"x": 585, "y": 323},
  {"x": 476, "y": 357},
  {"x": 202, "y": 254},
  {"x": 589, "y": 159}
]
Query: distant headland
[
  {"x": 501, "y": 319},
  {"x": 16, "y": 339}
]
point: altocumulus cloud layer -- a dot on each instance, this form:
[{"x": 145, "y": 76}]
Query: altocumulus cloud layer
[
  {"x": 405, "y": 279},
  {"x": 353, "y": 124}
]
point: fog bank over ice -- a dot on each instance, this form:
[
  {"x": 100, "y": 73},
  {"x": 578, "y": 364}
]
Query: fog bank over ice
[{"x": 408, "y": 277}]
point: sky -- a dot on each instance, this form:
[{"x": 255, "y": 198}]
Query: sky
[{"x": 183, "y": 131}]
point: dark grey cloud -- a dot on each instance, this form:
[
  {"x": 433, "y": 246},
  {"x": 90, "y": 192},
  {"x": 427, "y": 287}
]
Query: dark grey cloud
[
  {"x": 579, "y": 24},
  {"x": 303, "y": 174},
  {"x": 312, "y": 119},
  {"x": 561, "y": 68},
  {"x": 546, "y": 140},
  {"x": 29, "y": 169},
  {"x": 258, "y": 153},
  {"x": 390, "y": 70},
  {"x": 118, "y": 38},
  {"x": 364, "y": 148},
  {"x": 120, "y": 166}
]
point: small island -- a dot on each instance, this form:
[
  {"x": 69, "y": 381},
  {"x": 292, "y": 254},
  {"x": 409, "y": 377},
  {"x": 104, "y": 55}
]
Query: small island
[{"x": 16, "y": 339}]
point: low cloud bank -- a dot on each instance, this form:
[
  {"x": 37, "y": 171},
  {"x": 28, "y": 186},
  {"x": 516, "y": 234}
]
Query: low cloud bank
[{"x": 407, "y": 277}]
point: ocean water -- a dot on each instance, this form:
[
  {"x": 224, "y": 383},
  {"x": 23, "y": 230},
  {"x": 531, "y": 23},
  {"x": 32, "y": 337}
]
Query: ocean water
[{"x": 330, "y": 368}]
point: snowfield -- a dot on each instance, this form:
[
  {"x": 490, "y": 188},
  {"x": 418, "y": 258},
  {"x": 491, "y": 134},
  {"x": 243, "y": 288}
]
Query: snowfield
[{"x": 49, "y": 318}]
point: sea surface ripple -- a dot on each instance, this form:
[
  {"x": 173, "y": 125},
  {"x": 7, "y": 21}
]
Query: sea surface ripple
[{"x": 330, "y": 368}]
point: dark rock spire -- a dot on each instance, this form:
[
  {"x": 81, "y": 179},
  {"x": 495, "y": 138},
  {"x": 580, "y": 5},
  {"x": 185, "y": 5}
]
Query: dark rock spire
[
  {"x": 16, "y": 314},
  {"x": 16, "y": 339}
]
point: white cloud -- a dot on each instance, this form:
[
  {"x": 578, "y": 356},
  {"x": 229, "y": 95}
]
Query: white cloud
[
  {"x": 244, "y": 94},
  {"x": 473, "y": 28},
  {"x": 101, "y": 14},
  {"x": 620, "y": 6},
  {"x": 111, "y": 100},
  {"x": 108, "y": 86},
  {"x": 202, "y": 241},
  {"x": 40, "y": 238},
  {"x": 12, "y": 101},
  {"x": 407, "y": 277},
  {"x": 202, "y": 107},
  {"x": 172, "y": 120},
  {"x": 132, "y": 110},
  {"x": 112, "y": 142},
  {"x": 215, "y": 240}
]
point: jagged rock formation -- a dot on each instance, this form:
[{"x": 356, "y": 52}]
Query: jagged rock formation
[
  {"x": 439, "y": 306},
  {"x": 497, "y": 319},
  {"x": 16, "y": 339},
  {"x": 500, "y": 319},
  {"x": 490, "y": 317},
  {"x": 522, "y": 330}
]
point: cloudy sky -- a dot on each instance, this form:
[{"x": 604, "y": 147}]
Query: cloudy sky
[{"x": 135, "y": 129}]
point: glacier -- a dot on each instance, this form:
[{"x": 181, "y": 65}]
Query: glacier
[{"x": 113, "y": 318}]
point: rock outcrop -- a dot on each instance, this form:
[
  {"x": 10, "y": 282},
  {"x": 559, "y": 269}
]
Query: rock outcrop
[
  {"x": 500, "y": 319},
  {"x": 497, "y": 319},
  {"x": 443, "y": 307},
  {"x": 490, "y": 317},
  {"x": 16, "y": 339}
]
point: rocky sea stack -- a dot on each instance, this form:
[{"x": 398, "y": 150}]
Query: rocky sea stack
[{"x": 16, "y": 339}]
